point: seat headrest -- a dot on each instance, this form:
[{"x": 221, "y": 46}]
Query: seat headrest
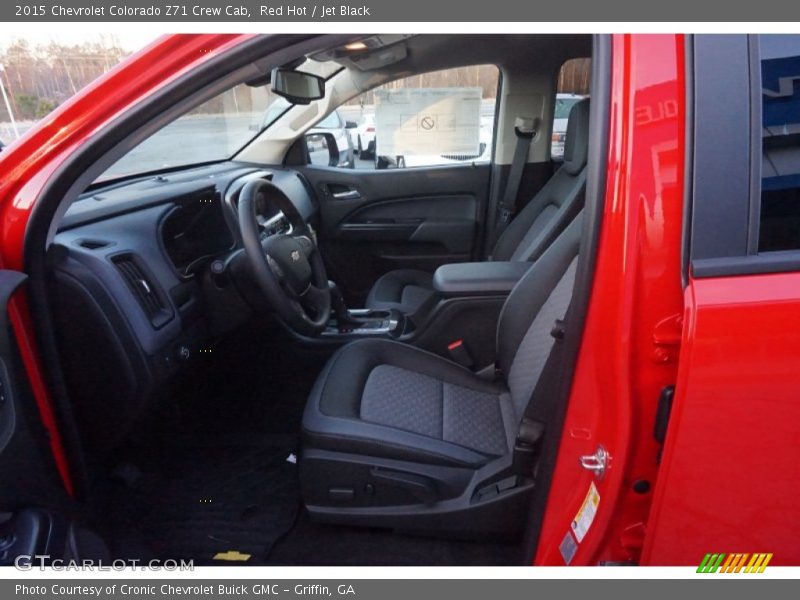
[{"x": 576, "y": 145}]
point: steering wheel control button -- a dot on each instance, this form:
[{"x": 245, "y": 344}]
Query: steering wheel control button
[
  {"x": 183, "y": 353},
  {"x": 275, "y": 267},
  {"x": 218, "y": 267}
]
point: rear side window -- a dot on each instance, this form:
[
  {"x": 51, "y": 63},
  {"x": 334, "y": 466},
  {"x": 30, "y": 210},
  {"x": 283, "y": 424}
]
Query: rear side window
[
  {"x": 572, "y": 86},
  {"x": 779, "y": 62}
]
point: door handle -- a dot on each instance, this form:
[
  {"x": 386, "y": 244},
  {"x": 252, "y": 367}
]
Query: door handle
[
  {"x": 346, "y": 195},
  {"x": 597, "y": 462}
]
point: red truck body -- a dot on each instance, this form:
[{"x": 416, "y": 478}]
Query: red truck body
[{"x": 726, "y": 477}]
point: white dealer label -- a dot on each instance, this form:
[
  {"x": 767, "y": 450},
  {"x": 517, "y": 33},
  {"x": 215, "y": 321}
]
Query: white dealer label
[
  {"x": 583, "y": 520},
  {"x": 428, "y": 121}
]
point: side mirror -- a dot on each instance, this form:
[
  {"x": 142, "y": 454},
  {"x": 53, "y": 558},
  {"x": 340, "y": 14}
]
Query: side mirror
[
  {"x": 350, "y": 125},
  {"x": 297, "y": 87},
  {"x": 385, "y": 162},
  {"x": 322, "y": 149}
]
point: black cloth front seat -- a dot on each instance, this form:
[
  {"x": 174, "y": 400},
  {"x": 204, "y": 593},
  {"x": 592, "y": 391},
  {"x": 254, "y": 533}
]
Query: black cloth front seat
[
  {"x": 381, "y": 405},
  {"x": 525, "y": 238}
]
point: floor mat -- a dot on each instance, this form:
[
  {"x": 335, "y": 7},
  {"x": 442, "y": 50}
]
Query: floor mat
[{"x": 198, "y": 502}]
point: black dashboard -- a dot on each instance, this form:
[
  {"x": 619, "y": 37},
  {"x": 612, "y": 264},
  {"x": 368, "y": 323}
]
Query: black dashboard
[{"x": 133, "y": 277}]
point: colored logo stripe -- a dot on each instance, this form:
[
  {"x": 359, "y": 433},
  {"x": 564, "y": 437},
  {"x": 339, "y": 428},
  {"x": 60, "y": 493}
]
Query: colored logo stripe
[
  {"x": 734, "y": 563},
  {"x": 710, "y": 563}
]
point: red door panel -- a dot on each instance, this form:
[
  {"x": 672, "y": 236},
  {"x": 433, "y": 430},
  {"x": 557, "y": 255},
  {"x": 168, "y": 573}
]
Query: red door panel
[{"x": 730, "y": 475}]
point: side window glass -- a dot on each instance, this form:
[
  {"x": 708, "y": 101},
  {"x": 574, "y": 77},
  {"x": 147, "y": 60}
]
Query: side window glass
[
  {"x": 573, "y": 85},
  {"x": 780, "y": 143},
  {"x": 440, "y": 118}
]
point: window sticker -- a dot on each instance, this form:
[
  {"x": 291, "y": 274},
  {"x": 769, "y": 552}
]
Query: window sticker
[{"x": 433, "y": 121}]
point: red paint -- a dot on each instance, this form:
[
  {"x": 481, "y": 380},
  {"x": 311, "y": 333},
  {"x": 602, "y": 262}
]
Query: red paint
[
  {"x": 628, "y": 352},
  {"x": 731, "y": 447},
  {"x": 729, "y": 476},
  {"x": 28, "y": 163}
]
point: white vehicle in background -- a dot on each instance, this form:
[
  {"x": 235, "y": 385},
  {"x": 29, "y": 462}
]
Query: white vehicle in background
[
  {"x": 333, "y": 124},
  {"x": 365, "y": 136},
  {"x": 564, "y": 104}
]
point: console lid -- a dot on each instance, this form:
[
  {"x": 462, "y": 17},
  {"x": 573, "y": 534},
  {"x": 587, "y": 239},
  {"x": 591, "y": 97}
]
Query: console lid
[{"x": 478, "y": 278}]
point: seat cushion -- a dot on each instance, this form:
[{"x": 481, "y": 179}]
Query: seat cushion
[
  {"x": 387, "y": 399},
  {"x": 404, "y": 289}
]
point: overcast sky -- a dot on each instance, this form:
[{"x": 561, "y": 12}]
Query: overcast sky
[{"x": 44, "y": 33}]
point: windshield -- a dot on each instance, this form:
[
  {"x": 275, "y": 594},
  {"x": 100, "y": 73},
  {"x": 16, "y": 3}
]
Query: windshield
[
  {"x": 215, "y": 130},
  {"x": 330, "y": 122},
  {"x": 564, "y": 105}
]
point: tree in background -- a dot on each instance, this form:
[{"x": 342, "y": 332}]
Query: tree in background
[{"x": 39, "y": 78}]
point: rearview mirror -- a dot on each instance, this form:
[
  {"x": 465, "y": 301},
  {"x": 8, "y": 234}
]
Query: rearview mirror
[{"x": 297, "y": 87}]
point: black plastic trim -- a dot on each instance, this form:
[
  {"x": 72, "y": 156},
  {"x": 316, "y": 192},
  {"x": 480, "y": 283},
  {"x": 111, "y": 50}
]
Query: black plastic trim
[
  {"x": 10, "y": 281},
  {"x": 754, "y": 264},
  {"x": 688, "y": 161},
  {"x": 721, "y": 172},
  {"x": 754, "y": 203},
  {"x": 725, "y": 238},
  {"x": 596, "y": 171}
]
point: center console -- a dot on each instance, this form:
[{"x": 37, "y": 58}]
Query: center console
[
  {"x": 361, "y": 322},
  {"x": 478, "y": 278},
  {"x": 365, "y": 322},
  {"x": 462, "y": 314}
]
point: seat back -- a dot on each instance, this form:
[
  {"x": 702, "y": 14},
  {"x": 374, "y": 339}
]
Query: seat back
[
  {"x": 549, "y": 212},
  {"x": 539, "y": 299}
]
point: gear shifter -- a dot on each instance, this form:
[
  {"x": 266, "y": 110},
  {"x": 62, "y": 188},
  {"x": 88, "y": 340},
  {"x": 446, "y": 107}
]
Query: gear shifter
[{"x": 344, "y": 322}]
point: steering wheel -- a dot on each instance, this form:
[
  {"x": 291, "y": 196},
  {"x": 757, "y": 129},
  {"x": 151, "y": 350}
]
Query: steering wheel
[{"x": 287, "y": 267}]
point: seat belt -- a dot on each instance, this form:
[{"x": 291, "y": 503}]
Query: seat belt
[
  {"x": 525, "y": 130},
  {"x": 539, "y": 408}
]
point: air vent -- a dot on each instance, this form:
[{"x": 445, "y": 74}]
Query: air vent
[{"x": 147, "y": 293}]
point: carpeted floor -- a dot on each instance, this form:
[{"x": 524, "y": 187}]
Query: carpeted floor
[
  {"x": 328, "y": 545},
  {"x": 208, "y": 474},
  {"x": 194, "y": 502}
]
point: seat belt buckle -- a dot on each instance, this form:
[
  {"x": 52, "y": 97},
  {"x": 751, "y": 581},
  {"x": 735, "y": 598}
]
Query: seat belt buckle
[
  {"x": 459, "y": 353},
  {"x": 529, "y": 434},
  {"x": 526, "y": 446}
]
